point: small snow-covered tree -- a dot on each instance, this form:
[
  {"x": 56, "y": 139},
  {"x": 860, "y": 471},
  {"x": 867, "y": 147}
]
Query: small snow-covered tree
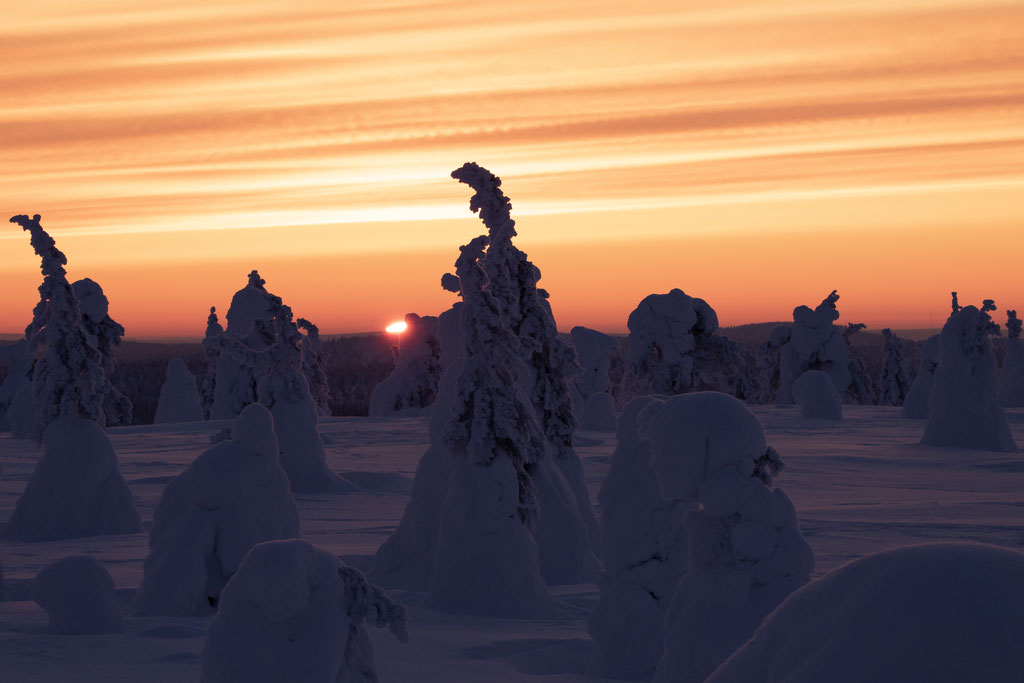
[
  {"x": 105, "y": 334},
  {"x": 893, "y": 381},
  {"x": 231, "y": 497},
  {"x": 915, "y": 405},
  {"x": 211, "y": 349},
  {"x": 412, "y": 386},
  {"x": 79, "y": 596},
  {"x": 19, "y": 379},
  {"x": 1011, "y": 392},
  {"x": 295, "y": 612},
  {"x": 746, "y": 553},
  {"x": 594, "y": 350},
  {"x": 767, "y": 363},
  {"x": 817, "y": 397},
  {"x": 179, "y": 398},
  {"x": 964, "y": 409},
  {"x": 644, "y": 553},
  {"x": 76, "y": 488},
  {"x": 312, "y": 366},
  {"x": 861, "y": 388},
  {"x": 486, "y": 560}
]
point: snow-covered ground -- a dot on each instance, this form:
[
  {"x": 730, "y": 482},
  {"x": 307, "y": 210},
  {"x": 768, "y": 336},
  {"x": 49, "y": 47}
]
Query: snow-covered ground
[{"x": 859, "y": 485}]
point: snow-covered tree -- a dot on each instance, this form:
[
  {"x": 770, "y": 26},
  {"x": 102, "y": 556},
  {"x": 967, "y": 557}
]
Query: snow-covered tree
[
  {"x": 486, "y": 560},
  {"x": 915, "y": 405},
  {"x": 550, "y": 371},
  {"x": 295, "y": 612},
  {"x": 179, "y": 398},
  {"x": 105, "y": 334},
  {"x": 815, "y": 343},
  {"x": 18, "y": 380},
  {"x": 211, "y": 349},
  {"x": 767, "y": 360},
  {"x": 411, "y": 388},
  {"x": 746, "y": 553},
  {"x": 964, "y": 409},
  {"x": 76, "y": 488},
  {"x": 594, "y": 350},
  {"x": 861, "y": 388},
  {"x": 312, "y": 366},
  {"x": 78, "y": 595},
  {"x": 231, "y": 497},
  {"x": 1011, "y": 393},
  {"x": 673, "y": 348},
  {"x": 817, "y": 397},
  {"x": 644, "y": 553},
  {"x": 893, "y": 381}
]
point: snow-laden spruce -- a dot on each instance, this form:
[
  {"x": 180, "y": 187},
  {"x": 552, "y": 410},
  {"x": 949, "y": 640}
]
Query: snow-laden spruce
[
  {"x": 817, "y": 397},
  {"x": 105, "y": 333},
  {"x": 486, "y": 561},
  {"x": 179, "y": 397},
  {"x": 211, "y": 349},
  {"x": 915, "y": 405},
  {"x": 312, "y": 366},
  {"x": 599, "y": 413},
  {"x": 294, "y": 612},
  {"x": 231, "y": 497},
  {"x": 815, "y": 343},
  {"x": 673, "y": 348},
  {"x": 895, "y": 386},
  {"x": 79, "y": 596},
  {"x": 745, "y": 550},
  {"x": 410, "y": 389},
  {"x": 942, "y": 613},
  {"x": 1011, "y": 392},
  {"x": 19, "y": 379},
  {"x": 548, "y": 376},
  {"x": 76, "y": 488},
  {"x": 644, "y": 553},
  {"x": 594, "y": 350},
  {"x": 964, "y": 409}
]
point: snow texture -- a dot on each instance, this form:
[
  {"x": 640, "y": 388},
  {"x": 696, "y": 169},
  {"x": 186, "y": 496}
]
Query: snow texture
[
  {"x": 294, "y": 612},
  {"x": 411, "y": 388},
  {"x": 942, "y": 613},
  {"x": 964, "y": 409},
  {"x": 179, "y": 398},
  {"x": 672, "y": 348},
  {"x": 79, "y": 597},
  {"x": 746, "y": 553},
  {"x": 893, "y": 381},
  {"x": 594, "y": 350},
  {"x": 1012, "y": 371},
  {"x": 599, "y": 414},
  {"x": 486, "y": 560},
  {"x": 817, "y": 396},
  {"x": 815, "y": 343},
  {"x": 644, "y": 553},
  {"x": 104, "y": 333},
  {"x": 915, "y": 405},
  {"x": 233, "y": 496}
]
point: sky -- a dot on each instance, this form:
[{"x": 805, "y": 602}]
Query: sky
[{"x": 755, "y": 154}]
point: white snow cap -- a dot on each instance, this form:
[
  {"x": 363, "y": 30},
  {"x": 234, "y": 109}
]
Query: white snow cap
[
  {"x": 942, "y": 613},
  {"x": 964, "y": 409},
  {"x": 179, "y": 397},
  {"x": 78, "y": 595},
  {"x": 294, "y": 612},
  {"x": 233, "y": 496},
  {"x": 817, "y": 396}
]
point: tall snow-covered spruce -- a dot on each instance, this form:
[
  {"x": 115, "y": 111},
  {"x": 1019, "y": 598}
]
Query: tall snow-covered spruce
[
  {"x": 105, "y": 333},
  {"x": 895, "y": 386},
  {"x": 486, "y": 559},
  {"x": 76, "y": 488},
  {"x": 964, "y": 409}
]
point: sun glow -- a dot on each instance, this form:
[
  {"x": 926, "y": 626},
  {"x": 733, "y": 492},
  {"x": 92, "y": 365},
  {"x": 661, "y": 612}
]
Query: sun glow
[{"x": 396, "y": 328}]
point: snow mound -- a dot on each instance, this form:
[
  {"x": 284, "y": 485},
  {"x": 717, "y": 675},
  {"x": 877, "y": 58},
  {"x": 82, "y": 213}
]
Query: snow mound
[
  {"x": 179, "y": 397},
  {"x": 79, "y": 597},
  {"x": 915, "y": 405},
  {"x": 964, "y": 409},
  {"x": 599, "y": 415},
  {"x": 76, "y": 488},
  {"x": 233, "y": 496},
  {"x": 817, "y": 396},
  {"x": 294, "y": 612},
  {"x": 942, "y": 613}
]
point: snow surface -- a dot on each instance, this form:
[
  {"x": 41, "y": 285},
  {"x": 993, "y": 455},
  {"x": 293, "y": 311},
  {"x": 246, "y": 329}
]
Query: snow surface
[
  {"x": 179, "y": 397},
  {"x": 942, "y": 613},
  {"x": 860, "y": 485},
  {"x": 79, "y": 596}
]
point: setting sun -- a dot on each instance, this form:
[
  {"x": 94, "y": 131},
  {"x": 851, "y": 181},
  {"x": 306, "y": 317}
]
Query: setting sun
[{"x": 396, "y": 327}]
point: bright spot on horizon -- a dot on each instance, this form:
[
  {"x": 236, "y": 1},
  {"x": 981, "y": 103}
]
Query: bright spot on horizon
[{"x": 397, "y": 327}]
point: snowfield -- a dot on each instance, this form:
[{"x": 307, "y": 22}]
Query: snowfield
[{"x": 860, "y": 485}]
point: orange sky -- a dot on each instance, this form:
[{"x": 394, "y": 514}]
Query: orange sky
[{"x": 756, "y": 154}]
